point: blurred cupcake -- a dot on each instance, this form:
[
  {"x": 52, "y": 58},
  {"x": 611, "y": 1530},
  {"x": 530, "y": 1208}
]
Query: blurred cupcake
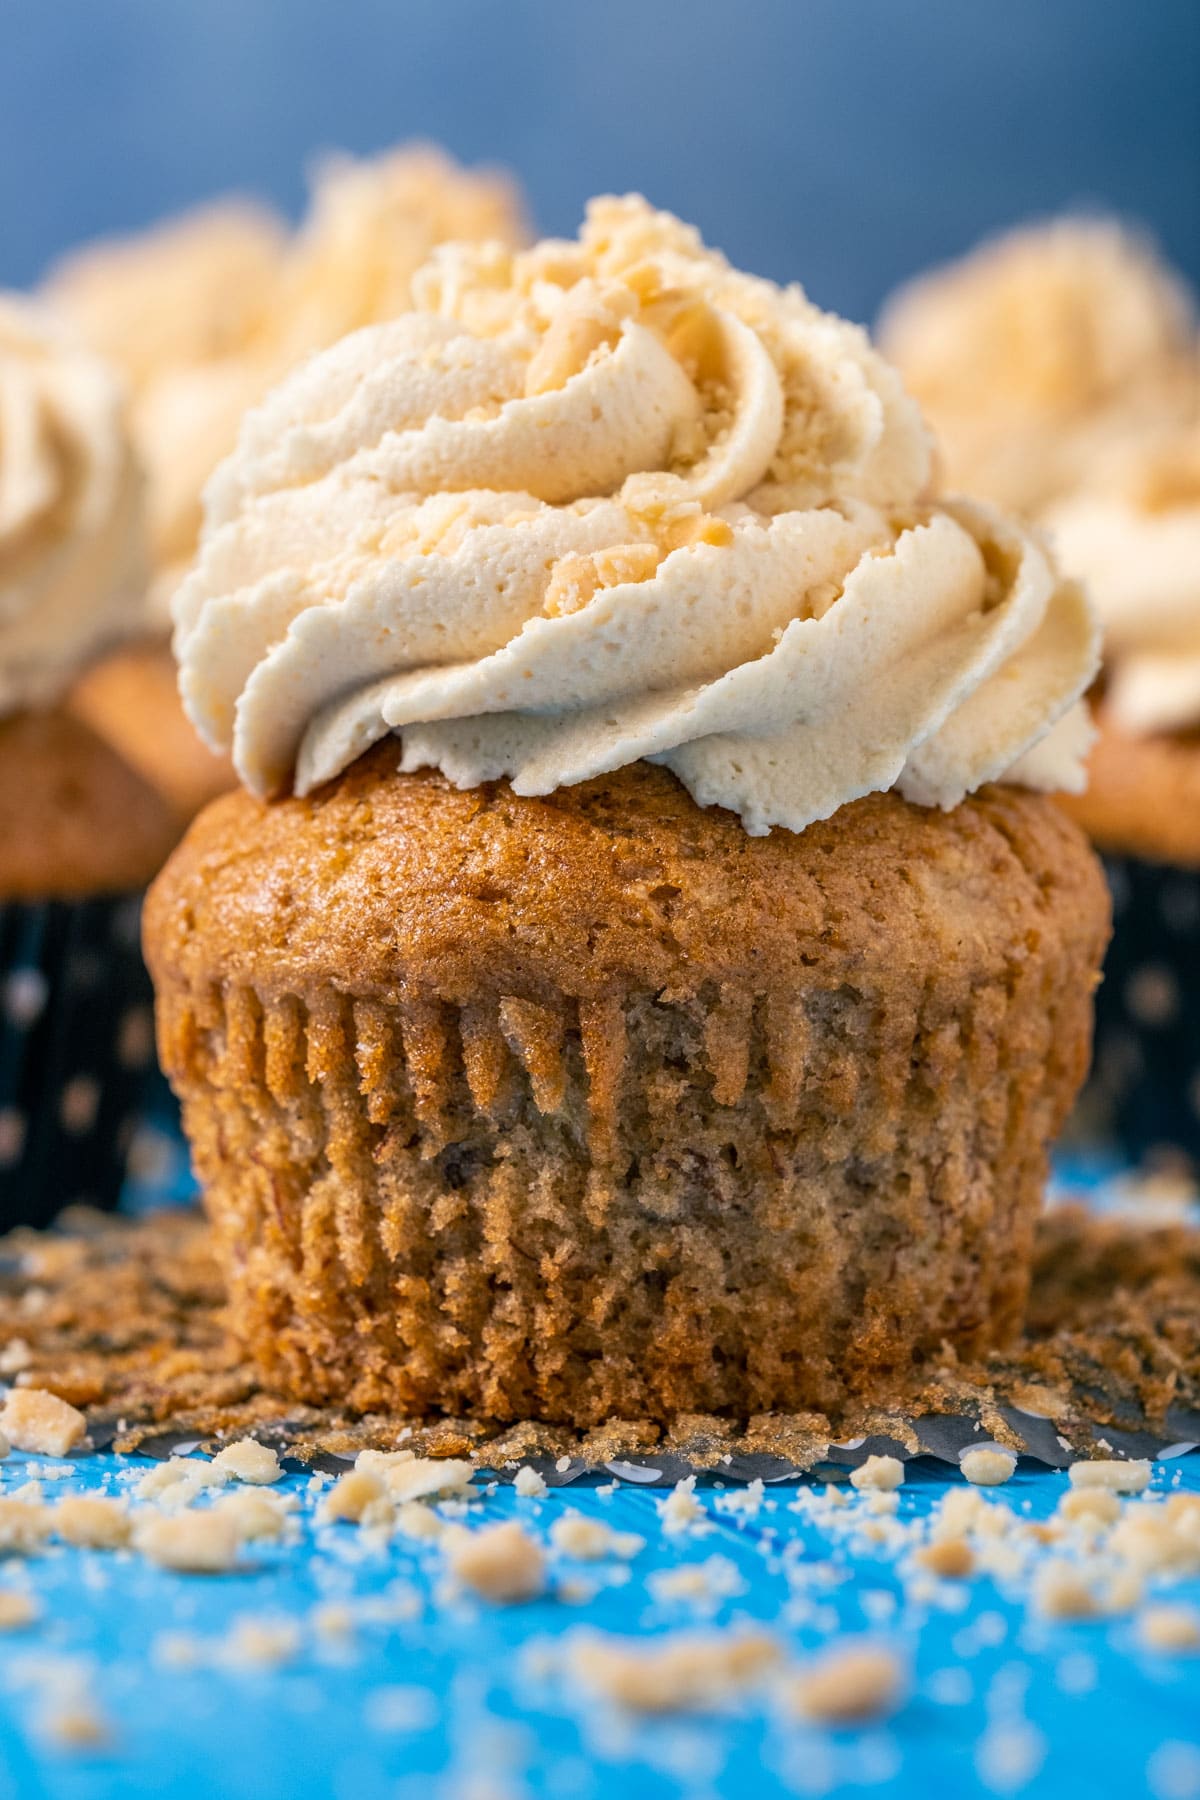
[
  {"x": 1039, "y": 348},
  {"x": 655, "y": 978},
  {"x": 80, "y": 832},
  {"x": 1134, "y": 536},
  {"x": 205, "y": 314}
]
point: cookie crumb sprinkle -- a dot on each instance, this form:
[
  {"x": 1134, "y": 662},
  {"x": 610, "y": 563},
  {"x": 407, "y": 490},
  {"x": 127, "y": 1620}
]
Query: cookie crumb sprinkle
[
  {"x": 500, "y": 1563},
  {"x": 988, "y": 1467},
  {"x": 249, "y": 1461},
  {"x": 849, "y": 1685},
  {"x": 40, "y": 1423},
  {"x": 1109, "y": 1472},
  {"x": 878, "y": 1472},
  {"x": 195, "y": 1543}
]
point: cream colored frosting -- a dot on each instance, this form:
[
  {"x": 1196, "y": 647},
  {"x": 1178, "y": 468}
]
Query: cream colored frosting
[
  {"x": 187, "y": 291},
  {"x": 206, "y": 313},
  {"x": 609, "y": 500},
  {"x": 1039, "y": 349},
  {"x": 71, "y": 564},
  {"x": 1134, "y": 537}
]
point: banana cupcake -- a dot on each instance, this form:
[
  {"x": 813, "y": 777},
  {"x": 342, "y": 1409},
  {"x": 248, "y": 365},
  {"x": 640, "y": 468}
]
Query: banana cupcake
[
  {"x": 205, "y": 314},
  {"x": 80, "y": 832},
  {"x": 1040, "y": 348},
  {"x": 644, "y": 970},
  {"x": 1134, "y": 536}
]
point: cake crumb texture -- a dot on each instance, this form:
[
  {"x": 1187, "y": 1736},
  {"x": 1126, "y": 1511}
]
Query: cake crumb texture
[{"x": 594, "y": 1105}]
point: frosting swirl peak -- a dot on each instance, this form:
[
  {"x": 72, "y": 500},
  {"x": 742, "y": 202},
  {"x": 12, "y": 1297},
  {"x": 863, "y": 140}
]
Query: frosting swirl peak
[{"x": 612, "y": 499}]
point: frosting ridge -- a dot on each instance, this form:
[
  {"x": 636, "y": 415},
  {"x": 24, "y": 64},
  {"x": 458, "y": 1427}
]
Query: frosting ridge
[
  {"x": 71, "y": 553},
  {"x": 611, "y": 499}
]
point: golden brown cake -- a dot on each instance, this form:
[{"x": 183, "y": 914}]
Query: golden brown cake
[
  {"x": 131, "y": 699},
  {"x": 629, "y": 989},
  {"x": 74, "y": 818},
  {"x": 1143, "y": 795},
  {"x": 593, "y": 1104}
]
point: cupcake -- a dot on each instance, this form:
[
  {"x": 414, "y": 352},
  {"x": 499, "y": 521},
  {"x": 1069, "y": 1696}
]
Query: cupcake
[
  {"x": 204, "y": 314},
  {"x": 1134, "y": 535},
  {"x": 1039, "y": 348},
  {"x": 644, "y": 969},
  {"x": 80, "y": 832}
]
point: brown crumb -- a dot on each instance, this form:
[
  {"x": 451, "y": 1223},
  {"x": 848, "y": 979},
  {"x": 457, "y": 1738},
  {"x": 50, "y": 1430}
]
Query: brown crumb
[
  {"x": 880, "y": 1472},
  {"x": 500, "y": 1563},
  {"x": 17, "y": 1609},
  {"x": 591, "y": 1539},
  {"x": 1061, "y": 1591},
  {"x": 951, "y": 1558},
  {"x": 1116, "y": 1476},
  {"x": 686, "y": 1672},
  {"x": 41, "y": 1424},
  {"x": 196, "y": 1543},
  {"x": 1094, "y": 1504},
  {"x": 529, "y": 1484},
  {"x": 351, "y": 1495},
  {"x": 24, "y": 1525},
  {"x": 849, "y": 1685},
  {"x": 987, "y": 1468},
  {"x": 91, "y": 1521},
  {"x": 1169, "y": 1628},
  {"x": 256, "y": 1517},
  {"x": 77, "y": 1725},
  {"x": 250, "y": 1462}
]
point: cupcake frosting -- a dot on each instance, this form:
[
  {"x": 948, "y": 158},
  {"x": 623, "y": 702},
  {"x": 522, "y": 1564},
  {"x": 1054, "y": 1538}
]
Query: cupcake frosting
[
  {"x": 609, "y": 500},
  {"x": 1134, "y": 537},
  {"x": 71, "y": 565},
  {"x": 184, "y": 292},
  {"x": 1040, "y": 347},
  {"x": 205, "y": 313}
]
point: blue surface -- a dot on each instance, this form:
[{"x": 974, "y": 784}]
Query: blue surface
[
  {"x": 844, "y": 144},
  {"x": 1089, "y": 1713}
]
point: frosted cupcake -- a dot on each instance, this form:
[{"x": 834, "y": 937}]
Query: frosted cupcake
[
  {"x": 1134, "y": 535},
  {"x": 205, "y": 314},
  {"x": 644, "y": 971},
  {"x": 80, "y": 832},
  {"x": 1040, "y": 348}
]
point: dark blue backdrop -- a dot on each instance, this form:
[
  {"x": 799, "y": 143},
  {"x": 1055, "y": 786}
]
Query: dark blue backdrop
[{"x": 844, "y": 142}]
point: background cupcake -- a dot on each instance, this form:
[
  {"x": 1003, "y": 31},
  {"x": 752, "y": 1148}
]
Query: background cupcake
[
  {"x": 1134, "y": 536},
  {"x": 1061, "y": 367},
  {"x": 675, "y": 1018},
  {"x": 1041, "y": 348},
  {"x": 205, "y": 314},
  {"x": 80, "y": 831}
]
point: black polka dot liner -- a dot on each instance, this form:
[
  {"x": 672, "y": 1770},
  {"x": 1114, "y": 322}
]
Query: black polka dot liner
[
  {"x": 76, "y": 1041},
  {"x": 1143, "y": 1097}
]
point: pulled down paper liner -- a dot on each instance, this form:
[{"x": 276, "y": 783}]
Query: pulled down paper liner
[{"x": 131, "y": 1329}]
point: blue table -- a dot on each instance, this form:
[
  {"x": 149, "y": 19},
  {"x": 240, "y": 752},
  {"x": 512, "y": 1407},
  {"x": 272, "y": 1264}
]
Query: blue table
[{"x": 425, "y": 1695}]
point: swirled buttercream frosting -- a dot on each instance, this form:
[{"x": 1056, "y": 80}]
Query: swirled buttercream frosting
[
  {"x": 71, "y": 563},
  {"x": 611, "y": 499}
]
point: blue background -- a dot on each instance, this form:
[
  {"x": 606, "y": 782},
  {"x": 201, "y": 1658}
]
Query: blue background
[{"x": 842, "y": 142}]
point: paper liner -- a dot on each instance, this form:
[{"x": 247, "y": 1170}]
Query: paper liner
[
  {"x": 134, "y": 1329},
  {"x": 76, "y": 1041},
  {"x": 1143, "y": 1097}
]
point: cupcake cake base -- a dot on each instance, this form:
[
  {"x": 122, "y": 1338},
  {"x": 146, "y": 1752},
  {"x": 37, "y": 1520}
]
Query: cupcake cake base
[{"x": 594, "y": 1105}]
